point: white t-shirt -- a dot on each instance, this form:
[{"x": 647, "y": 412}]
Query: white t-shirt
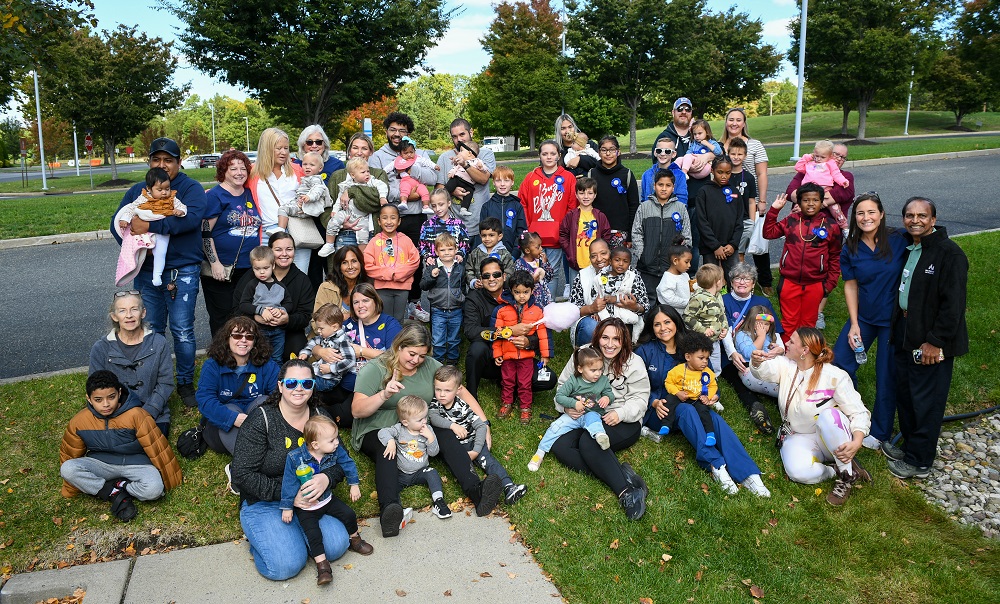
[{"x": 284, "y": 187}]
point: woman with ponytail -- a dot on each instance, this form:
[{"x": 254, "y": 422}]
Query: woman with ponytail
[{"x": 823, "y": 416}]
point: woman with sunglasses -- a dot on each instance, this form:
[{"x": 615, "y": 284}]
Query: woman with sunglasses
[
  {"x": 236, "y": 377},
  {"x": 279, "y": 549}
]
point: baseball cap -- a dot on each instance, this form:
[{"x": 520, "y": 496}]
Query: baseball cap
[
  {"x": 167, "y": 145},
  {"x": 682, "y": 101}
]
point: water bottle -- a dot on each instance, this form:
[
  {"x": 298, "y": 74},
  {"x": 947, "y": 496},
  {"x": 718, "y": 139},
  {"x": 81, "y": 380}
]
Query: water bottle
[
  {"x": 860, "y": 356},
  {"x": 304, "y": 471}
]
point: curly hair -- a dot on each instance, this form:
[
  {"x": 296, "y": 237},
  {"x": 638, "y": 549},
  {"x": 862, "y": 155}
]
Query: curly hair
[
  {"x": 222, "y": 165},
  {"x": 219, "y": 350}
]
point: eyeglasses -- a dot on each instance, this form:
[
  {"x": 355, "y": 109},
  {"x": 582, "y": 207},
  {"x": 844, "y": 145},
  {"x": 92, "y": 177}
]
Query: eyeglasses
[
  {"x": 839, "y": 156},
  {"x": 493, "y": 275},
  {"x": 397, "y": 130},
  {"x": 318, "y": 141},
  {"x": 609, "y": 150},
  {"x": 742, "y": 279},
  {"x": 249, "y": 337},
  {"x": 131, "y": 292},
  {"x": 292, "y": 383},
  {"x": 683, "y": 109},
  {"x": 663, "y": 151}
]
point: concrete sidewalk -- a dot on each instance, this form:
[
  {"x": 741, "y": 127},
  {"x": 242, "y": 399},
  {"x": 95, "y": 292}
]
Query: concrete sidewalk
[{"x": 465, "y": 557}]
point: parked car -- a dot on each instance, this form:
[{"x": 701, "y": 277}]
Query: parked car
[
  {"x": 191, "y": 161},
  {"x": 252, "y": 156},
  {"x": 495, "y": 144},
  {"x": 341, "y": 155},
  {"x": 208, "y": 161}
]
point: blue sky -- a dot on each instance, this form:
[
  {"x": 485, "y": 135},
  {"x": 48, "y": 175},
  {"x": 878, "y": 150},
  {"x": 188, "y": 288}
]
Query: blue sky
[{"x": 458, "y": 52}]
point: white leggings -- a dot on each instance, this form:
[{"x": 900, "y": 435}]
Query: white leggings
[
  {"x": 759, "y": 386},
  {"x": 160, "y": 258},
  {"x": 804, "y": 455}
]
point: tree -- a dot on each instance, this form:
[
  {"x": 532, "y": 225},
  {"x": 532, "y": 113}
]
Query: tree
[
  {"x": 310, "y": 61},
  {"x": 377, "y": 110},
  {"x": 434, "y": 101},
  {"x": 599, "y": 115},
  {"x": 29, "y": 29},
  {"x": 115, "y": 83},
  {"x": 525, "y": 86},
  {"x": 978, "y": 36},
  {"x": 10, "y": 141},
  {"x": 859, "y": 50},
  {"x": 956, "y": 84},
  {"x": 57, "y": 136}
]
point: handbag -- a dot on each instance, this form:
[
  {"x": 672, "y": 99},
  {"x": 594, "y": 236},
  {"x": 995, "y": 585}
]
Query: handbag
[
  {"x": 758, "y": 245},
  {"x": 303, "y": 230},
  {"x": 191, "y": 443}
]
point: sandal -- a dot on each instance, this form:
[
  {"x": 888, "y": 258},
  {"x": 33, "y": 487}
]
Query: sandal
[{"x": 505, "y": 410}]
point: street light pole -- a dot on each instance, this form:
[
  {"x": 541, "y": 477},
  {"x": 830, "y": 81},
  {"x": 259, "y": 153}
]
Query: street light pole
[
  {"x": 76, "y": 151},
  {"x": 770, "y": 103},
  {"x": 212, "y": 107},
  {"x": 802, "y": 79},
  {"x": 41, "y": 142},
  {"x": 247, "y": 120},
  {"x": 906, "y": 126}
]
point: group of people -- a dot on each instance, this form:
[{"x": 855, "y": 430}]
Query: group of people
[{"x": 325, "y": 264}]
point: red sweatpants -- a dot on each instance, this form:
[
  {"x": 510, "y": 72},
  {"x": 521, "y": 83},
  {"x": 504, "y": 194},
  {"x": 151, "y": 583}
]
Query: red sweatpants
[
  {"x": 799, "y": 305},
  {"x": 515, "y": 375}
]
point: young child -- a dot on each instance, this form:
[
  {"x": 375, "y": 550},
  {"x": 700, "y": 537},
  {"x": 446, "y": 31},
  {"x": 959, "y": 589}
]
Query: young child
[
  {"x": 657, "y": 224},
  {"x": 663, "y": 159},
  {"x": 819, "y": 167},
  {"x": 619, "y": 282},
  {"x": 458, "y": 176},
  {"x": 491, "y": 233},
  {"x": 701, "y": 143},
  {"x": 720, "y": 218},
  {"x": 311, "y": 196},
  {"x": 411, "y": 442},
  {"x": 266, "y": 299},
  {"x": 321, "y": 449},
  {"x": 328, "y": 324},
  {"x": 348, "y": 225},
  {"x": 675, "y": 286},
  {"x": 533, "y": 261},
  {"x": 758, "y": 332},
  {"x": 581, "y": 226},
  {"x": 810, "y": 258},
  {"x": 156, "y": 202},
  {"x": 466, "y": 420},
  {"x": 391, "y": 259},
  {"x": 581, "y": 146},
  {"x": 507, "y": 209},
  {"x": 445, "y": 287},
  {"x": 442, "y": 221},
  {"x": 407, "y": 184},
  {"x": 694, "y": 381},
  {"x": 705, "y": 313},
  {"x": 587, "y": 390},
  {"x": 744, "y": 184},
  {"x": 517, "y": 365},
  {"x": 113, "y": 450}
]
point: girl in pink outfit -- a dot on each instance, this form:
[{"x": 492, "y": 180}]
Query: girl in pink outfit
[
  {"x": 820, "y": 168},
  {"x": 156, "y": 202},
  {"x": 407, "y": 184}
]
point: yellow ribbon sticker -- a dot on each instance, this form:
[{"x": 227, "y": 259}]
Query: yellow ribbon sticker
[{"x": 253, "y": 378}]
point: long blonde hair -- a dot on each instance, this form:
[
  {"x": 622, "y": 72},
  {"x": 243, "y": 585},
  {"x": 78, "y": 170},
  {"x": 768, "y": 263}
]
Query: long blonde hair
[
  {"x": 264, "y": 166},
  {"x": 412, "y": 335}
]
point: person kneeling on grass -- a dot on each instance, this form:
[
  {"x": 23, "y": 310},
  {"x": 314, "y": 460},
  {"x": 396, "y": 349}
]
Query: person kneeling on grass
[
  {"x": 589, "y": 391},
  {"x": 112, "y": 449}
]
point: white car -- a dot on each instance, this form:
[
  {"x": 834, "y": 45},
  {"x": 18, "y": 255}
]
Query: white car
[
  {"x": 252, "y": 156},
  {"x": 191, "y": 162},
  {"x": 495, "y": 144},
  {"x": 341, "y": 155}
]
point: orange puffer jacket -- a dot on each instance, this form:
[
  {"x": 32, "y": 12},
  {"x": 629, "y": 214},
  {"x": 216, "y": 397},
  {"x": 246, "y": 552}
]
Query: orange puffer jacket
[{"x": 508, "y": 314}]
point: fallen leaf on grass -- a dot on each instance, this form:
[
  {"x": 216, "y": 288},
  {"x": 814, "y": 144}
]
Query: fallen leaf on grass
[
  {"x": 57, "y": 521},
  {"x": 690, "y": 520},
  {"x": 654, "y": 529},
  {"x": 818, "y": 491},
  {"x": 756, "y": 591},
  {"x": 155, "y": 531},
  {"x": 618, "y": 579},
  {"x": 666, "y": 557},
  {"x": 773, "y": 522},
  {"x": 70, "y": 546},
  {"x": 704, "y": 488},
  {"x": 645, "y": 600},
  {"x": 697, "y": 576},
  {"x": 614, "y": 544}
]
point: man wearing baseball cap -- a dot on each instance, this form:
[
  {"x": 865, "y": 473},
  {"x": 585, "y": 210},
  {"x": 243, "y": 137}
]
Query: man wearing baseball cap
[
  {"x": 679, "y": 130},
  {"x": 176, "y": 297}
]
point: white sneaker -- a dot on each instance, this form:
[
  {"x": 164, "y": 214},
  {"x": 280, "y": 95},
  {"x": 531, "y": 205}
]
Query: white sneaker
[
  {"x": 427, "y": 210},
  {"x": 464, "y": 212},
  {"x": 721, "y": 476},
  {"x": 646, "y": 432},
  {"x": 718, "y": 407},
  {"x": 870, "y": 442},
  {"x": 326, "y": 250},
  {"x": 755, "y": 485},
  {"x": 536, "y": 462},
  {"x": 603, "y": 440},
  {"x": 407, "y": 517},
  {"x": 820, "y": 321},
  {"x": 420, "y": 314},
  {"x": 403, "y": 206}
]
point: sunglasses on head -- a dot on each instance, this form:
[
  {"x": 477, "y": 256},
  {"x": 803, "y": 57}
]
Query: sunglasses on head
[
  {"x": 493, "y": 275},
  {"x": 869, "y": 195},
  {"x": 292, "y": 383},
  {"x": 131, "y": 292},
  {"x": 318, "y": 141},
  {"x": 249, "y": 337},
  {"x": 663, "y": 151}
]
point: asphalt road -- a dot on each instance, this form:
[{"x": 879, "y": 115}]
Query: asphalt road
[
  {"x": 55, "y": 298},
  {"x": 8, "y": 175}
]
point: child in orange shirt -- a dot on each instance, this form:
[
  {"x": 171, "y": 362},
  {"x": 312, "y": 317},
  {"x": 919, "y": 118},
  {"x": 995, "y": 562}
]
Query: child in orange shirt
[{"x": 391, "y": 259}]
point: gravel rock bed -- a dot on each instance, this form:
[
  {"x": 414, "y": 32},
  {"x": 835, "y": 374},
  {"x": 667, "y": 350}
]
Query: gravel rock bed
[{"x": 966, "y": 477}]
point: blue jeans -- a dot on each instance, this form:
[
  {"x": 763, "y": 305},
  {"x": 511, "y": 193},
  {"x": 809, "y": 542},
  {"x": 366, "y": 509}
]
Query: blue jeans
[
  {"x": 276, "y": 336},
  {"x": 323, "y": 384},
  {"x": 345, "y": 238},
  {"x": 590, "y": 421},
  {"x": 279, "y": 549},
  {"x": 558, "y": 261},
  {"x": 180, "y": 310},
  {"x": 884, "y": 409},
  {"x": 585, "y": 330},
  {"x": 446, "y": 334},
  {"x": 727, "y": 450},
  {"x": 491, "y": 466}
]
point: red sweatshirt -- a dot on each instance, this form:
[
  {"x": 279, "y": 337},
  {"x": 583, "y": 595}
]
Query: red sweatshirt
[
  {"x": 808, "y": 256},
  {"x": 555, "y": 193}
]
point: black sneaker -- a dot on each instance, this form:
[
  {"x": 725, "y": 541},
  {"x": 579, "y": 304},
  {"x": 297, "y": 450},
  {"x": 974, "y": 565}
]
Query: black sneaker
[
  {"x": 891, "y": 451},
  {"x": 760, "y": 418},
  {"x": 513, "y": 493},
  {"x": 440, "y": 509},
  {"x": 392, "y": 516},
  {"x": 480, "y": 462},
  {"x": 901, "y": 469},
  {"x": 186, "y": 392},
  {"x": 490, "y": 490},
  {"x": 634, "y": 502},
  {"x": 634, "y": 479}
]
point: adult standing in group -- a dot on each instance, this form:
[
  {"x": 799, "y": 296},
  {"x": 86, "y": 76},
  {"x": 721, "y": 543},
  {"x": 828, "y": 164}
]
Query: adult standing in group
[
  {"x": 461, "y": 132},
  {"x": 231, "y": 229},
  {"x": 313, "y": 139},
  {"x": 139, "y": 357},
  {"x": 365, "y": 198},
  {"x": 406, "y": 369},
  {"x": 296, "y": 316},
  {"x": 928, "y": 332},
  {"x": 660, "y": 348},
  {"x": 477, "y": 313},
  {"x": 871, "y": 262},
  {"x": 566, "y": 131},
  {"x": 736, "y": 127},
  {"x": 547, "y": 193},
  {"x": 578, "y": 450},
  {"x": 617, "y": 191},
  {"x": 175, "y": 299},
  {"x": 279, "y": 548},
  {"x": 584, "y": 294},
  {"x": 273, "y": 180}
]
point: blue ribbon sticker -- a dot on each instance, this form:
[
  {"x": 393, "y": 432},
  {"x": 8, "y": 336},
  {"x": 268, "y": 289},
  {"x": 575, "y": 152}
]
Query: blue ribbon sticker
[
  {"x": 705, "y": 380},
  {"x": 821, "y": 232},
  {"x": 617, "y": 183},
  {"x": 559, "y": 180},
  {"x": 678, "y": 223},
  {"x": 510, "y": 219},
  {"x": 728, "y": 192}
]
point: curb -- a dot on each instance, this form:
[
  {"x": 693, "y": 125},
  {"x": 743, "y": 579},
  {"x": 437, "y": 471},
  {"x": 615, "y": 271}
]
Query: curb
[{"x": 11, "y": 244}]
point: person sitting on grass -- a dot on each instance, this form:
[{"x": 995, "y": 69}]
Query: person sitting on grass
[
  {"x": 694, "y": 383},
  {"x": 112, "y": 449}
]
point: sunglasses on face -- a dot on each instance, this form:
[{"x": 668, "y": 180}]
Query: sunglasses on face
[
  {"x": 249, "y": 337},
  {"x": 292, "y": 383},
  {"x": 493, "y": 275},
  {"x": 318, "y": 141},
  {"x": 683, "y": 109},
  {"x": 131, "y": 292},
  {"x": 663, "y": 151}
]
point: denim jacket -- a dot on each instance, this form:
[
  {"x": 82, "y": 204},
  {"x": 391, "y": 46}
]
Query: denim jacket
[{"x": 290, "y": 482}]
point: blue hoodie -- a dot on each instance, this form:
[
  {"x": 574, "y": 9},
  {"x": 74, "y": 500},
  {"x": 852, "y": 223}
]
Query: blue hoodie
[
  {"x": 290, "y": 482},
  {"x": 509, "y": 211},
  {"x": 680, "y": 183}
]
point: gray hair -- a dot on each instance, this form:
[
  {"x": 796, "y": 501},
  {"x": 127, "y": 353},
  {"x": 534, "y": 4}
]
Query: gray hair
[
  {"x": 743, "y": 269},
  {"x": 305, "y": 135}
]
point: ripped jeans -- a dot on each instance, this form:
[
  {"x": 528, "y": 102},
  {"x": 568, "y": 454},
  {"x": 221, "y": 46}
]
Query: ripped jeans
[{"x": 180, "y": 310}]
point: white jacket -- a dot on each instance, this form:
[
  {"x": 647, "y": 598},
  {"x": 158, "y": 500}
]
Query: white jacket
[{"x": 631, "y": 389}]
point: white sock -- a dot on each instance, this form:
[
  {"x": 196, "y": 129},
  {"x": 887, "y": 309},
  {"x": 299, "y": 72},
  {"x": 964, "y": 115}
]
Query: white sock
[{"x": 437, "y": 495}]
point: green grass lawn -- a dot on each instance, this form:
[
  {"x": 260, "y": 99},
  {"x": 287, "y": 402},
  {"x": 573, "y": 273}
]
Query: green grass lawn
[
  {"x": 56, "y": 214},
  {"x": 64, "y": 184},
  {"x": 885, "y": 545}
]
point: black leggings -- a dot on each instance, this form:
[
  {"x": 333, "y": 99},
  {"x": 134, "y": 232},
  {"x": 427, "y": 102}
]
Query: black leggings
[
  {"x": 577, "y": 450},
  {"x": 309, "y": 519},
  {"x": 732, "y": 376}
]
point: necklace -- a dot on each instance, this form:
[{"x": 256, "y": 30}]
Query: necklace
[{"x": 822, "y": 223}]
